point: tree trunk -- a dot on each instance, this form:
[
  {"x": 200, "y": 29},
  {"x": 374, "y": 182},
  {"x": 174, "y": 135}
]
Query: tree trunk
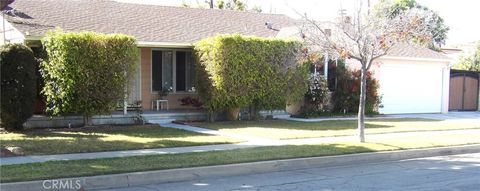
[
  {"x": 87, "y": 121},
  {"x": 361, "y": 105},
  {"x": 211, "y": 116},
  {"x": 253, "y": 113}
]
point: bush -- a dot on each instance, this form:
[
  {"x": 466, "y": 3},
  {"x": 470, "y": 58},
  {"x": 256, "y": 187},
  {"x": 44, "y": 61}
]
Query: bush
[
  {"x": 346, "y": 97},
  {"x": 237, "y": 71},
  {"x": 18, "y": 85},
  {"x": 191, "y": 101},
  {"x": 317, "y": 94},
  {"x": 86, "y": 73}
]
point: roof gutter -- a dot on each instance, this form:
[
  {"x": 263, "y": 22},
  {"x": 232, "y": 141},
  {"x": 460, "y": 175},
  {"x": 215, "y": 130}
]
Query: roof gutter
[
  {"x": 417, "y": 59},
  {"x": 33, "y": 38},
  {"x": 164, "y": 44}
]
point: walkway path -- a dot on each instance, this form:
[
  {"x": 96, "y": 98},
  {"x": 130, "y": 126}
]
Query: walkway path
[{"x": 249, "y": 142}]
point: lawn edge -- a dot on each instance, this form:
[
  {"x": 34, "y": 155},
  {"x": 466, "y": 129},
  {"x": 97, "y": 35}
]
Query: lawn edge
[{"x": 195, "y": 173}]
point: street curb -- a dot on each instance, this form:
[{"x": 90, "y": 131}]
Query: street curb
[{"x": 195, "y": 173}]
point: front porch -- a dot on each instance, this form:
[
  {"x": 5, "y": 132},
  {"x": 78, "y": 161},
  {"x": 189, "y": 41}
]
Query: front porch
[{"x": 118, "y": 118}]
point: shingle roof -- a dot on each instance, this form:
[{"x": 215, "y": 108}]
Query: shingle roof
[
  {"x": 402, "y": 50},
  {"x": 151, "y": 23},
  {"x": 415, "y": 51}
]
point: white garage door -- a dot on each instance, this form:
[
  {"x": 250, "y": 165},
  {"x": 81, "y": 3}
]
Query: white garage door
[{"x": 410, "y": 88}]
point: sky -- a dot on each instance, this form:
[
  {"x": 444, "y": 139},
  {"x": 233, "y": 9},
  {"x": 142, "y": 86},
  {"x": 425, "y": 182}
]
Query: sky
[{"x": 462, "y": 16}]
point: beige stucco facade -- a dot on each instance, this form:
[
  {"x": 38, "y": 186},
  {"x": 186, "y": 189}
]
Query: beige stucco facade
[{"x": 146, "y": 93}]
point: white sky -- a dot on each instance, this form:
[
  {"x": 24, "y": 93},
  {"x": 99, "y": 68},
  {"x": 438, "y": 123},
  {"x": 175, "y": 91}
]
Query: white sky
[{"x": 462, "y": 16}]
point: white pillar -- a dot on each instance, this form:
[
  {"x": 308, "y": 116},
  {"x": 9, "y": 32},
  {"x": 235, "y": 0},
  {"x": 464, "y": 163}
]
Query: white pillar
[
  {"x": 125, "y": 96},
  {"x": 446, "y": 89},
  {"x": 325, "y": 67}
]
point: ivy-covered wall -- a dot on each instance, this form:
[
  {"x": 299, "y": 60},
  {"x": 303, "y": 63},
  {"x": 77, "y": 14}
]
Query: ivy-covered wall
[{"x": 240, "y": 71}]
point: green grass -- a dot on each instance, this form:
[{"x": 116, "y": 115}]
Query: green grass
[
  {"x": 105, "y": 138},
  {"x": 77, "y": 168},
  {"x": 281, "y": 129}
]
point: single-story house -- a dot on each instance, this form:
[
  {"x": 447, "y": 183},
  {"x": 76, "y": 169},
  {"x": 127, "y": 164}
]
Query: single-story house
[
  {"x": 412, "y": 79},
  {"x": 165, "y": 35}
]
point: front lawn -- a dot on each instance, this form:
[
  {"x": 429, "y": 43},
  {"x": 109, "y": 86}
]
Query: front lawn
[
  {"x": 105, "y": 138},
  {"x": 282, "y": 129},
  {"x": 76, "y": 168}
]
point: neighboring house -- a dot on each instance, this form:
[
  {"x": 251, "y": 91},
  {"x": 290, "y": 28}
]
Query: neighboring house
[
  {"x": 165, "y": 35},
  {"x": 412, "y": 79}
]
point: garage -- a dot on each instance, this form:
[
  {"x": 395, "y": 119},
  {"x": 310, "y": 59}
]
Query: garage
[
  {"x": 411, "y": 88},
  {"x": 413, "y": 80}
]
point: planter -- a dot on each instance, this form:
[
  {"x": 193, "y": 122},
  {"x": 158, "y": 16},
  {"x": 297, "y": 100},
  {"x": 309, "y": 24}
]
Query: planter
[{"x": 232, "y": 114}]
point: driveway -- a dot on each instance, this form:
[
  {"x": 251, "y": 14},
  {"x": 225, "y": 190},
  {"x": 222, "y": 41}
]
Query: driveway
[
  {"x": 459, "y": 172},
  {"x": 466, "y": 115}
]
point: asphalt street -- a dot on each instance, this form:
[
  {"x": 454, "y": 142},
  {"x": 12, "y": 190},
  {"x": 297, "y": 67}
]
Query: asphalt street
[{"x": 456, "y": 172}]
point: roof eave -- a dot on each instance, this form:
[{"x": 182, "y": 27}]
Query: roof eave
[
  {"x": 417, "y": 59},
  {"x": 140, "y": 43}
]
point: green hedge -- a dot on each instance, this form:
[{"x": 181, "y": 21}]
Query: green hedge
[
  {"x": 240, "y": 71},
  {"x": 18, "y": 85},
  {"x": 86, "y": 73}
]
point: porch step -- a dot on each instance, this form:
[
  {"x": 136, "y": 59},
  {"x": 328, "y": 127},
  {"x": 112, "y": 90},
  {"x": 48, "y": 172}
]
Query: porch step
[{"x": 162, "y": 118}]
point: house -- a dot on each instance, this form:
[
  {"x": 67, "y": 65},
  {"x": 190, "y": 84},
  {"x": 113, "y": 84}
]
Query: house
[
  {"x": 412, "y": 79},
  {"x": 165, "y": 35}
]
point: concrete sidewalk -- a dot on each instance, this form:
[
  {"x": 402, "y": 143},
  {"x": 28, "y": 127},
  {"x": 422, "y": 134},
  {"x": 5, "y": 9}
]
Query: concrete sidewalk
[{"x": 248, "y": 144}]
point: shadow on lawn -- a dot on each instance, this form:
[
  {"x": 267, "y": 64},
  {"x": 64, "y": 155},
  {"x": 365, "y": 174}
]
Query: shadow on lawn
[{"x": 58, "y": 141}]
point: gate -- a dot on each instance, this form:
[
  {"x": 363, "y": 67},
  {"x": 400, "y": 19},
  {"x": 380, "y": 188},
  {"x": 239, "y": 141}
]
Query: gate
[{"x": 464, "y": 90}]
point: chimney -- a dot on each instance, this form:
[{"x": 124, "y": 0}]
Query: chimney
[
  {"x": 347, "y": 19},
  {"x": 328, "y": 32}
]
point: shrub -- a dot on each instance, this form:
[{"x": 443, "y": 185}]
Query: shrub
[
  {"x": 317, "y": 94},
  {"x": 191, "y": 101},
  {"x": 239, "y": 71},
  {"x": 18, "y": 85},
  {"x": 86, "y": 73},
  {"x": 346, "y": 97}
]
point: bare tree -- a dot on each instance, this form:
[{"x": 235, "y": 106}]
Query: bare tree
[{"x": 364, "y": 37}]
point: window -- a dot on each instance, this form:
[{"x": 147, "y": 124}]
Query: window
[
  {"x": 162, "y": 70},
  {"x": 185, "y": 67},
  {"x": 168, "y": 72}
]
